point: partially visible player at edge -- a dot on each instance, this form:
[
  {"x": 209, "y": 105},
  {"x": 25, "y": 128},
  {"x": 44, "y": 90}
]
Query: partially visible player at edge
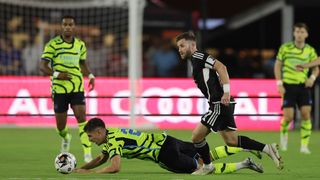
[
  {"x": 294, "y": 86},
  {"x": 63, "y": 59},
  {"x": 168, "y": 152},
  {"x": 212, "y": 78}
]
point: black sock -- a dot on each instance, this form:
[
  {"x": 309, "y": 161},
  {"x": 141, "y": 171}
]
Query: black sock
[
  {"x": 250, "y": 144},
  {"x": 203, "y": 149}
]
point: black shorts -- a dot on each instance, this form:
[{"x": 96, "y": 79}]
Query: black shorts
[
  {"x": 178, "y": 156},
  {"x": 61, "y": 101},
  {"x": 219, "y": 117},
  {"x": 296, "y": 94}
]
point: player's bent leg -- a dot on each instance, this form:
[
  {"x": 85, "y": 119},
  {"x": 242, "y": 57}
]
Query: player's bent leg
[
  {"x": 225, "y": 168},
  {"x": 200, "y": 143},
  {"x": 225, "y": 151},
  {"x": 231, "y": 139},
  {"x": 79, "y": 111},
  {"x": 250, "y": 164}
]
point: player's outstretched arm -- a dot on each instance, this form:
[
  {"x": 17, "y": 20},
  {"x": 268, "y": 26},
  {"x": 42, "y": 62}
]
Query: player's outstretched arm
[
  {"x": 114, "y": 167},
  {"x": 92, "y": 164}
]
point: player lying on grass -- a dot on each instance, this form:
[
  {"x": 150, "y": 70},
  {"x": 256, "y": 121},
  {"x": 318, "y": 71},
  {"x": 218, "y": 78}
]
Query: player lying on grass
[{"x": 170, "y": 153}]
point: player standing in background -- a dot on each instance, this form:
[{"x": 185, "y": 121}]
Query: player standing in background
[
  {"x": 170, "y": 153},
  {"x": 66, "y": 55},
  {"x": 211, "y": 77},
  {"x": 294, "y": 86}
]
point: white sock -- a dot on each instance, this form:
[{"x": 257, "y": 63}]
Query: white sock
[
  {"x": 266, "y": 149},
  {"x": 208, "y": 166},
  {"x": 240, "y": 165}
]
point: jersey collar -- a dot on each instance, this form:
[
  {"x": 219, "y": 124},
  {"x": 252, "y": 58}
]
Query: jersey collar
[{"x": 66, "y": 41}]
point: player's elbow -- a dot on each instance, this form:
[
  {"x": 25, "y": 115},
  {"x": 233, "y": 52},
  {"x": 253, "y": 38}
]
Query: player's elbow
[
  {"x": 43, "y": 66},
  {"x": 221, "y": 67},
  {"x": 115, "y": 170}
]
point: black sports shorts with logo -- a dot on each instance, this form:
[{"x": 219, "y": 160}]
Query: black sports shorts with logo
[
  {"x": 61, "y": 101},
  {"x": 220, "y": 117}
]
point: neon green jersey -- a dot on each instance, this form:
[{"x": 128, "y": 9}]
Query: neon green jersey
[
  {"x": 66, "y": 57},
  {"x": 290, "y": 56},
  {"x": 131, "y": 143}
]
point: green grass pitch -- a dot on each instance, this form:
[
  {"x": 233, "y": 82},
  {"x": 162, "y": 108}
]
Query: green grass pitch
[{"x": 28, "y": 153}]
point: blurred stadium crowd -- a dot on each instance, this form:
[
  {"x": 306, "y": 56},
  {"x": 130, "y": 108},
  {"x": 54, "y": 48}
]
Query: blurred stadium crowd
[{"x": 20, "y": 52}]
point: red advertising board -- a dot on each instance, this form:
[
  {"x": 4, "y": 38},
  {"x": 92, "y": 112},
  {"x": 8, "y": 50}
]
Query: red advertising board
[{"x": 176, "y": 110}]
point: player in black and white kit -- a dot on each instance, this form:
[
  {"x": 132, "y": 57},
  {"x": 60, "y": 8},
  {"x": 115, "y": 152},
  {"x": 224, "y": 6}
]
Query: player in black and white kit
[{"x": 212, "y": 78}]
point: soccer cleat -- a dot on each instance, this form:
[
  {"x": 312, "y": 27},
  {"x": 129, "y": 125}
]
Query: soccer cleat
[
  {"x": 252, "y": 165},
  {"x": 273, "y": 153},
  {"x": 304, "y": 149},
  {"x": 204, "y": 170},
  {"x": 283, "y": 142},
  {"x": 65, "y": 144},
  {"x": 256, "y": 153},
  {"x": 87, "y": 157}
]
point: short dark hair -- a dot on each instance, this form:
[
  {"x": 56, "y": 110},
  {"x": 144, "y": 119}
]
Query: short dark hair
[
  {"x": 187, "y": 36},
  {"x": 69, "y": 17},
  {"x": 93, "y": 124},
  {"x": 301, "y": 25}
]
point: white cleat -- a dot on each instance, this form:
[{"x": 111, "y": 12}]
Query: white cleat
[
  {"x": 65, "y": 144},
  {"x": 252, "y": 165},
  {"x": 284, "y": 142},
  {"x": 204, "y": 170},
  {"x": 274, "y": 155},
  {"x": 304, "y": 149},
  {"x": 87, "y": 157}
]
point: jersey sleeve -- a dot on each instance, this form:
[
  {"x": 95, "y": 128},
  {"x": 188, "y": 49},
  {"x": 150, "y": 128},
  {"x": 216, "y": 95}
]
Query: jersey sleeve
[
  {"x": 204, "y": 60},
  {"x": 48, "y": 52},
  {"x": 313, "y": 55},
  {"x": 112, "y": 149},
  {"x": 280, "y": 55},
  {"x": 209, "y": 62},
  {"x": 83, "y": 52}
]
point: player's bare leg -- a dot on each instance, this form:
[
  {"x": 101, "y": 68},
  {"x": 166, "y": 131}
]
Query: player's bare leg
[{"x": 198, "y": 139}]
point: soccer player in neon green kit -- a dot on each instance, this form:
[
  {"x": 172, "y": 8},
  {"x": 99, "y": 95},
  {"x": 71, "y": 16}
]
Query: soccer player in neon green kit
[
  {"x": 168, "y": 152},
  {"x": 294, "y": 86},
  {"x": 66, "y": 55}
]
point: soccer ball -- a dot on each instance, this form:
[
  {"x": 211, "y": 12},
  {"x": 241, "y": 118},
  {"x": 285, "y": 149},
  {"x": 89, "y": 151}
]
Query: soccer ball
[{"x": 65, "y": 163}]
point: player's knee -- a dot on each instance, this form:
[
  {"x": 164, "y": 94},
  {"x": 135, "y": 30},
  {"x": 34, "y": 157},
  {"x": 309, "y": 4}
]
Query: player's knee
[
  {"x": 305, "y": 115},
  {"x": 80, "y": 118},
  {"x": 288, "y": 118},
  {"x": 231, "y": 142},
  {"x": 196, "y": 139}
]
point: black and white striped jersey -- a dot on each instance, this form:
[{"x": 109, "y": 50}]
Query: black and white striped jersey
[{"x": 206, "y": 78}]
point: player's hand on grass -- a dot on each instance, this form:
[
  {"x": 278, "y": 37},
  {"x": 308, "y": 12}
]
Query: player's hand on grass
[
  {"x": 64, "y": 76},
  {"x": 82, "y": 171},
  {"x": 91, "y": 84}
]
